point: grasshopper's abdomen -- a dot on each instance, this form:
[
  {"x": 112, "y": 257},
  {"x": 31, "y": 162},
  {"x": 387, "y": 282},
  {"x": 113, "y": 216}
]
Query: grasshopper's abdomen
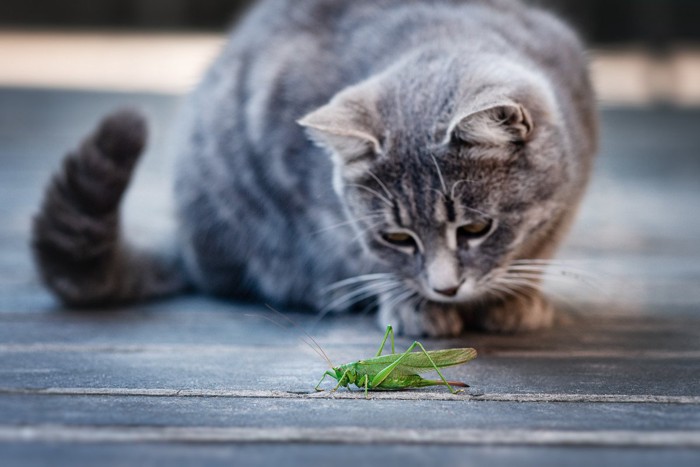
[
  {"x": 402, "y": 382},
  {"x": 412, "y": 381}
]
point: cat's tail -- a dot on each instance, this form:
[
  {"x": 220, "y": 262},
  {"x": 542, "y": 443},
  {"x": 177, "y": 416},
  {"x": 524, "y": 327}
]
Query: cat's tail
[{"x": 79, "y": 250}]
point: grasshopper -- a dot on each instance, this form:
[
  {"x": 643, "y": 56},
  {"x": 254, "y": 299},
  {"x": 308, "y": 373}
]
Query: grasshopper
[{"x": 399, "y": 371}]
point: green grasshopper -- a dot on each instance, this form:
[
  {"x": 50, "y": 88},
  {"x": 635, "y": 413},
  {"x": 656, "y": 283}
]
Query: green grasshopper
[{"x": 399, "y": 371}]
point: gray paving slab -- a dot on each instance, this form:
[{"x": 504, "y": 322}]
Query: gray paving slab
[
  {"x": 224, "y": 348},
  {"x": 320, "y": 413},
  {"x": 275, "y": 369},
  {"x": 260, "y": 454},
  {"x": 197, "y": 319}
]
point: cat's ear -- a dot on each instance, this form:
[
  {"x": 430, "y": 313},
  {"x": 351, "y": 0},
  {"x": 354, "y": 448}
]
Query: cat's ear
[
  {"x": 496, "y": 124},
  {"x": 347, "y": 128}
]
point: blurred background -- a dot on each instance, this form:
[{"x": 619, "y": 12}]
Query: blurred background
[
  {"x": 645, "y": 50},
  {"x": 616, "y": 21},
  {"x": 63, "y": 63}
]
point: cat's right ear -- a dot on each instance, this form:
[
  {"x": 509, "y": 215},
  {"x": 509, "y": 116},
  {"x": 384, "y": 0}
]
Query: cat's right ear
[{"x": 347, "y": 129}]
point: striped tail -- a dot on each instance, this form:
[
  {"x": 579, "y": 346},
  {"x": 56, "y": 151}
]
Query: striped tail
[{"x": 78, "y": 248}]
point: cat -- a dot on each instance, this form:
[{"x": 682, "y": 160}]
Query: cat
[{"x": 428, "y": 155}]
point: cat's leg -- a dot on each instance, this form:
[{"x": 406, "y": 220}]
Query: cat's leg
[
  {"x": 425, "y": 319},
  {"x": 524, "y": 313}
]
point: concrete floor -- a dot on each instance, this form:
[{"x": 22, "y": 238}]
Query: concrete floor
[{"x": 194, "y": 381}]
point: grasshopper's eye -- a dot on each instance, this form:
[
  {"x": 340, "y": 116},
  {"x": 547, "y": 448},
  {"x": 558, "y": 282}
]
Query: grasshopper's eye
[
  {"x": 474, "y": 230},
  {"x": 402, "y": 240}
]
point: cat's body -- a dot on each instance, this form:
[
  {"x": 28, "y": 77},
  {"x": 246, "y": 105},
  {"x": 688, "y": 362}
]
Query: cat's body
[{"x": 460, "y": 134}]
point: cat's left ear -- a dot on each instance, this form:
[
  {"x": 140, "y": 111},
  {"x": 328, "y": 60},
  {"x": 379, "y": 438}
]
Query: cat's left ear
[{"x": 493, "y": 124}]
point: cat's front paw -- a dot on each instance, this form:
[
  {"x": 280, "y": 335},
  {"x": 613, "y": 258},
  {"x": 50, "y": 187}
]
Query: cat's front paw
[
  {"x": 428, "y": 319},
  {"x": 517, "y": 315}
]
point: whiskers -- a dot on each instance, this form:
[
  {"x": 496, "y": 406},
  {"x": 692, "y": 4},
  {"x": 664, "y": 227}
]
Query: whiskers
[
  {"x": 439, "y": 172},
  {"x": 351, "y": 222},
  {"x": 348, "y": 292},
  {"x": 359, "y": 288},
  {"x": 371, "y": 191},
  {"x": 562, "y": 271},
  {"x": 401, "y": 296},
  {"x": 387, "y": 198},
  {"x": 524, "y": 278}
]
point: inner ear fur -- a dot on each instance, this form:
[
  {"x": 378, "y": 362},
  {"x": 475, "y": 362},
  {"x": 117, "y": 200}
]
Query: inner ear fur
[{"x": 498, "y": 124}]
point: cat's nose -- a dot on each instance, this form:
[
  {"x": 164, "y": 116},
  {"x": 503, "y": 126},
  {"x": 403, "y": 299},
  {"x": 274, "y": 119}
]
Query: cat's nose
[{"x": 447, "y": 292}]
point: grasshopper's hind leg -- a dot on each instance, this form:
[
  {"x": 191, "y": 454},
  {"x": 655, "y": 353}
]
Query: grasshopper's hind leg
[
  {"x": 389, "y": 332},
  {"x": 435, "y": 367}
]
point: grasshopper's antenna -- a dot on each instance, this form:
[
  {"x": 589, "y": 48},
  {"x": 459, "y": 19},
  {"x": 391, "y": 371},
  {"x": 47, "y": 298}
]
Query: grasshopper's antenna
[
  {"x": 318, "y": 349},
  {"x": 323, "y": 356},
  {"x": 286, "y": 318}
]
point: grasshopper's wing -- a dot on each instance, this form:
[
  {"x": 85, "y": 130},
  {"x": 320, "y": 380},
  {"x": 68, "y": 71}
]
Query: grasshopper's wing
[{"x": 417, "y": 362}]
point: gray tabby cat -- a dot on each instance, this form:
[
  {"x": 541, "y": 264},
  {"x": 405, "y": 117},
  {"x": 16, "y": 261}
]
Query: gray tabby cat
[{"x": 426, "y": 153}]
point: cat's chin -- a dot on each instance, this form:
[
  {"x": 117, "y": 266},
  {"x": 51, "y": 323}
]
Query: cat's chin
[{"x": 460, "y": 299}]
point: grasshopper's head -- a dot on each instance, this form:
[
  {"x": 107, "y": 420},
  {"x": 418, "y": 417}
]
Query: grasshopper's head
[{"x": 345, "y": 374}]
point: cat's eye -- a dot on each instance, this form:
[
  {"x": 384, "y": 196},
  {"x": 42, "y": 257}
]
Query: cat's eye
[
  {"x": 474, "y": 229},
  {"x": 400, "y": 239}
]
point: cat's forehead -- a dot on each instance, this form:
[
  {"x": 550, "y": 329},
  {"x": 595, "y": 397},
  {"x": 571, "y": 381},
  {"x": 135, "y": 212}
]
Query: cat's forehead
[
  {"x": 415, "y": 125},
  {"x": 454, "y": 172},
  {"x": 426, "y": 186}
]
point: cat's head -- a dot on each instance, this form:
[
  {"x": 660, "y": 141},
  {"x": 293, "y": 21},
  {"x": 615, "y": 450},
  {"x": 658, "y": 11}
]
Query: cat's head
[{"x": 449, "y": 173}]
